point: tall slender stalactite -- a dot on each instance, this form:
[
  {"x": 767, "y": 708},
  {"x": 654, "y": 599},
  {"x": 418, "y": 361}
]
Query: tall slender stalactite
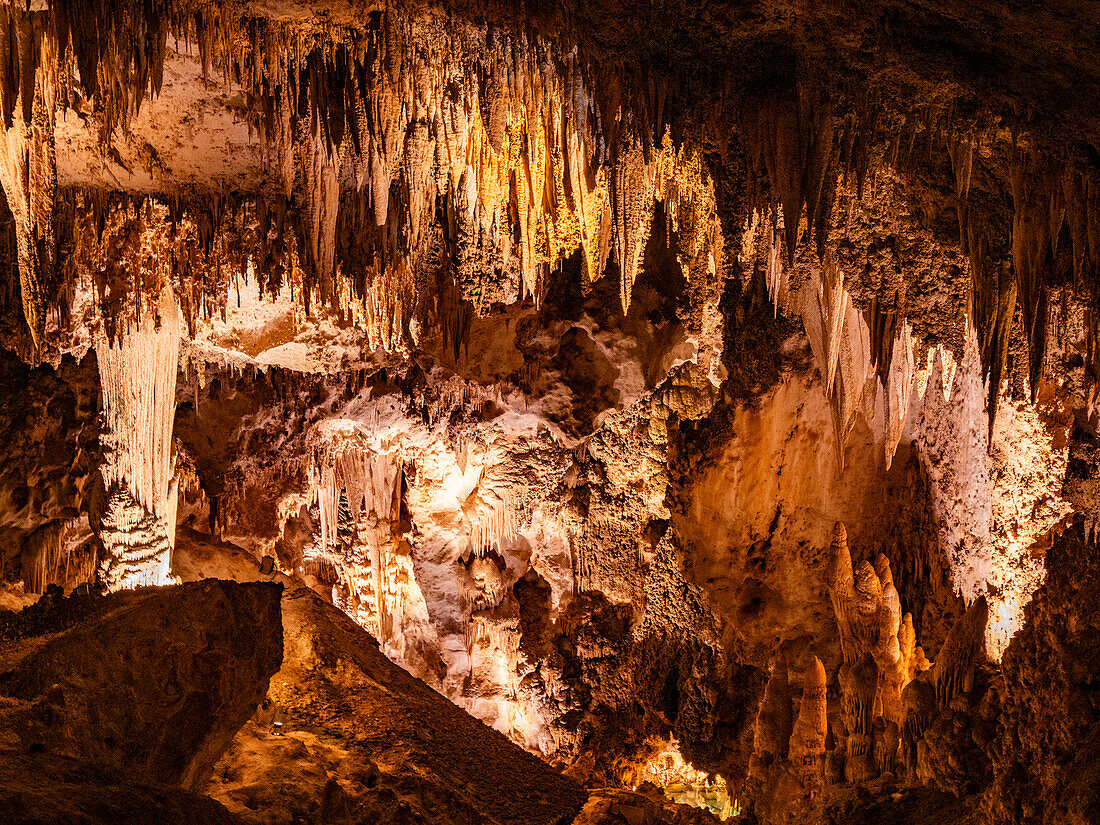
[{"x": 138, "y": 375}]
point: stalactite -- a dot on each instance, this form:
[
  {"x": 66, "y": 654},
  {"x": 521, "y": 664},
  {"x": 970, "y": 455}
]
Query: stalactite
[
  {"x": 28, "y": 172},
  {"x": 1031, "y": 246},
  {"x": 842, "y": 346},
  {"x": 824, "y": 313},
  {"x": 790, "y": 138},
  {"x": 341, "y": 462},
  {"x": 138, "y": 376},
  {"x": 322, "y": 195},
  {"x": 632, "y": 191},
  {"x": 489, "y": 531},
  {"x": 58, "y": 553},
  {"x": 898, "y": 390},
  {"x": 774, "y": 270}
]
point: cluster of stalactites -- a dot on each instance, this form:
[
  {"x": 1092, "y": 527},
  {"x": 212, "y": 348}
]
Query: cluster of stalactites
[
  {"x": 527, "y": 165},
  {"x": 456, "y": 393},
  {"x": 866, "y": 360},
  {"x": 388, "y": 137},
  {"x": 28, "y": 171},
  {"x": 790, "y": 139},
  {"x": 109, "y": 54},
  {"x": 512, "y": 151},
  {"x": 58, "y": 553},
  {"x": 126, "y": 250},
  {"x": 137, "y": 370},
  {"x": 1055, "y": 232},
  {"x": 491, "y": 525},
  {"x": 397, "y": 115},
  {"x": 370, "y": 480}
]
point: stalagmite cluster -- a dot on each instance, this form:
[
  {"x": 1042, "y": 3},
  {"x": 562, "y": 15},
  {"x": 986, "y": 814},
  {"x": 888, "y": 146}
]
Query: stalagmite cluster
[
  {"x": 889, "y": 695},
  {"x": 878, "y": 647}
]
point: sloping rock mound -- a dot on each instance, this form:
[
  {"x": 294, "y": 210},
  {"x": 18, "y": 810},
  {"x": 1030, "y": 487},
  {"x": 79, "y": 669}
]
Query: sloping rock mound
[
  {"x": 153, "y": 682},
  {"x": 362, "y": 741},
  {"x": 47, "y": 788}
]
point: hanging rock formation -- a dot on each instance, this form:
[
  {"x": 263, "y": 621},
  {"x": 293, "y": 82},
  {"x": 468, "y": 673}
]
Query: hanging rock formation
[{"x": 138, "y": 375}]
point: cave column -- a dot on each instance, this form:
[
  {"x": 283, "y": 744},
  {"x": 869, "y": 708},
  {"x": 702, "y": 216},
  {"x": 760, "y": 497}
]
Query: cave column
[{"x": 137, "y": 371}]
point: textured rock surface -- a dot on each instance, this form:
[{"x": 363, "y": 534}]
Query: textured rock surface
[
  {"x": 153, "y": 683},
  {"x": 1046, "y": 758},
  {"x": 548, "y": 343},
  {"x": 40, "y": 788}
]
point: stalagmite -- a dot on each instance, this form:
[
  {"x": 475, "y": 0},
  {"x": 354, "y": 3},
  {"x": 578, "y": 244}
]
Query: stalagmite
[
  {"x": 841, "y": 583},
  {"x": 138, "y": 375},
  {"x": 880, "y": 657},
  {"x": 864, "y": 618},
  {"x": 807, "y": 746},
  {"x": 859, "y": 685},
  {"x": 962, "y": 651},
  {"x": 774, "y": 723}
]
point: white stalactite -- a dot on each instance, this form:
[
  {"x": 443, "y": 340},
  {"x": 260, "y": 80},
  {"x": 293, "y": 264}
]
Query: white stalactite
[
  {"x": 899, "y": 389},
  {"x": 138, "y": 377},
  {"x": 488, "y": 532}
]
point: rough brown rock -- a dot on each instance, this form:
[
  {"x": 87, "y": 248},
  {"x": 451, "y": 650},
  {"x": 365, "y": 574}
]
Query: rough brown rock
[
  {"x": 153, "y": 683},
  {"x": 1046, "y": 758},
  {"x": 49, "y": 788}
]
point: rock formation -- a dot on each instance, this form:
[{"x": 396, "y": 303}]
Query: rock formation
[{"x": 697, "y": 396}]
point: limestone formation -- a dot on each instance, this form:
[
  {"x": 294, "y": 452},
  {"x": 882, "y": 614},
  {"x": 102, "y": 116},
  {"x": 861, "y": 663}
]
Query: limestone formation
[{"x": 652, "y": 385}]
